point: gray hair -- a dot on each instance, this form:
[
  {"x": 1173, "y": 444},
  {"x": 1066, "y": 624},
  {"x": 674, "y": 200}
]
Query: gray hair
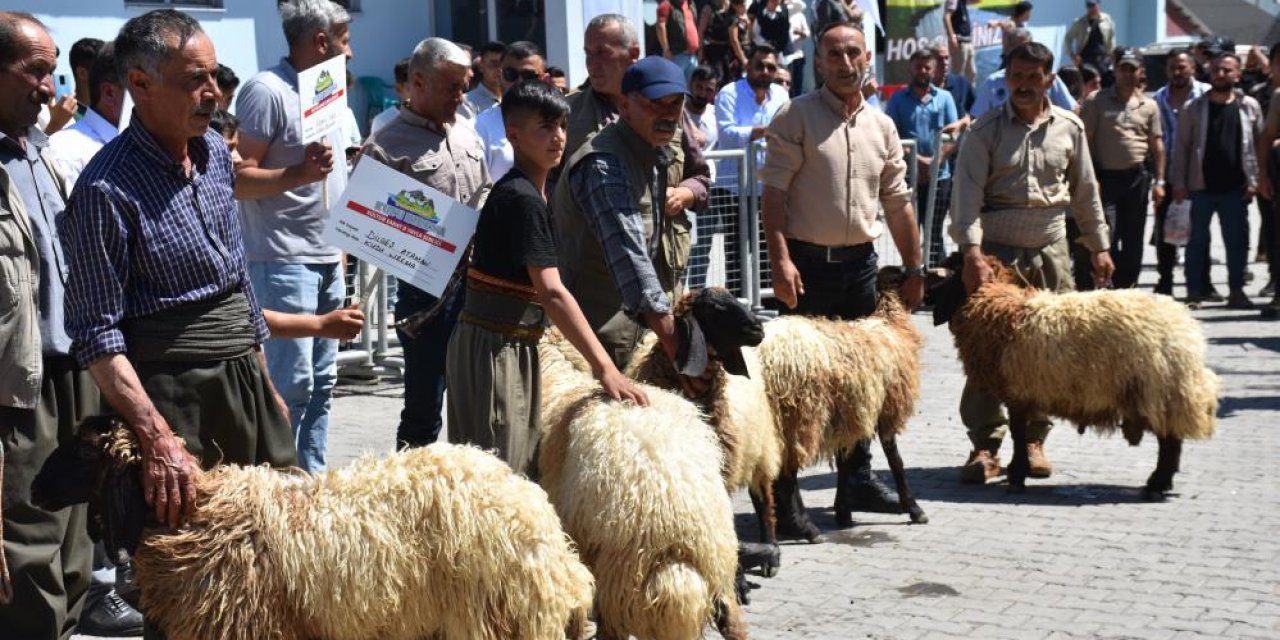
[
  {"x": 143, "y": 42},
  {"x": 629, "y": 36},
  {"x": 303, "y": 19},
  {"x": 432, "y": 52}
]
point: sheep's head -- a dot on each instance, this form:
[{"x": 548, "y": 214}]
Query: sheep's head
[
  {"x": 712, "y": 323},
  {"x": 944, "y": 287},
  {"x": 101, "y": 465}
]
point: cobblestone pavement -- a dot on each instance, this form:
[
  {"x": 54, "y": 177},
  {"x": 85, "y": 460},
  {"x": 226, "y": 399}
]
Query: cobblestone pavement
[{"x": 1079, "y": 555}]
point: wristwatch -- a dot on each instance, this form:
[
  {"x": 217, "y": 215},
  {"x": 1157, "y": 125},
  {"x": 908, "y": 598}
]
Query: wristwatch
[{"x": 914, "y": 271}]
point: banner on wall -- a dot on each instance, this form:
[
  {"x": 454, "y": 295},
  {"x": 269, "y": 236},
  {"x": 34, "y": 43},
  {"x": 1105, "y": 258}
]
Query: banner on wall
[{"x": 911, "y": 25}]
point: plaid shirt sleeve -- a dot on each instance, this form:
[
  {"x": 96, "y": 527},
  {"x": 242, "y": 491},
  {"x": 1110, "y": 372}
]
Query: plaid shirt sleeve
[
  {"x": 600, "y": 185},
  {"x": 95, "y": 240}
]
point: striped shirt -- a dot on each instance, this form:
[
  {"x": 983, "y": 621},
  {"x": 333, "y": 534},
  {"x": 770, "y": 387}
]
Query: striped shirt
[{"x": 141, "y": 237}]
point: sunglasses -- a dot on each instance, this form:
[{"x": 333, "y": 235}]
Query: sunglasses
[{"x": 512, "y": 75}]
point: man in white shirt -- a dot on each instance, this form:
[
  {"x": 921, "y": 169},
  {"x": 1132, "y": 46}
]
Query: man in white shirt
[
  {"x": 74, "y": 146},
  {"x": 744, "y": 108},
  {"x": 401, "y": 73},
  {"x": 489, "y": 91},
  {"x": 521, "y": 61}
]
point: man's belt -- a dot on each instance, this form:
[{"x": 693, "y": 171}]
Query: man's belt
[
  {"x": 846, "y": 253},
  {"x": 524, "y": 332}
]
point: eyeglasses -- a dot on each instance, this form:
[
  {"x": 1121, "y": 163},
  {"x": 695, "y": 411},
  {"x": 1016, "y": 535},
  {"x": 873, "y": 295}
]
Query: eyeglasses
[
  {"x": 512, "y": 75},
  {"x": 763, "y": 66}
]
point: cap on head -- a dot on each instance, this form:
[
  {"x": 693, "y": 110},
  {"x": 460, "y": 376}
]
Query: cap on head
[
  {"x": 1129, "y": 57},
  {"x": 654, "y": 78}
]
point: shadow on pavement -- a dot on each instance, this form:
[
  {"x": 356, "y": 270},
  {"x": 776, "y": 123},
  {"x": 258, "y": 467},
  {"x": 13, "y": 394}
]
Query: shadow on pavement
[
  {"x": 1271, "y": 343},
  {"x": 1230, "y": 406}
]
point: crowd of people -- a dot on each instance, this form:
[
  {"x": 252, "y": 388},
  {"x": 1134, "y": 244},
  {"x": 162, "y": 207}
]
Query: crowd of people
[{"x": 174, "y": 271}]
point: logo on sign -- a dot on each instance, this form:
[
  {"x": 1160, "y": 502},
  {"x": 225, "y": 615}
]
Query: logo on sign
[
  {"x": 325, "y": 86},
  {"x": 414, "y": 208}
]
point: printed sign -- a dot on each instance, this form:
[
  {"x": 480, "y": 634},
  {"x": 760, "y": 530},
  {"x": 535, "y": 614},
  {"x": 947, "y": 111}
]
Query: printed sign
[
  {"x": 322, "y": 96},
  {"x": 401, "y": 226}
]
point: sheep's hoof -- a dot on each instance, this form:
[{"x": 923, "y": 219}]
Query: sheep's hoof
[
  {"x": 1017, "y": 487},
  {"x": 767, "y": 557},
  {"x": 1157, "y": 490},
  {"x": 918, "y": 516}
]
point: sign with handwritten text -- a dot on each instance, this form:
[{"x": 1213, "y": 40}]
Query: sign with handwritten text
[{"x": 322, "y": 96}]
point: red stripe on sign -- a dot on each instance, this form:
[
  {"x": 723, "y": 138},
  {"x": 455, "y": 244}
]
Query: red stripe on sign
[
  {"x": 402, "y": 227},
  {"x": 324, "y": 103}
]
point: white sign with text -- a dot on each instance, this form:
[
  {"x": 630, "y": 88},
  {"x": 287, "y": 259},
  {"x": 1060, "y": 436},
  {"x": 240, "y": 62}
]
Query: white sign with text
[
  {"x": 401, "y": 226},
  {"x": 322, "y": 97}
]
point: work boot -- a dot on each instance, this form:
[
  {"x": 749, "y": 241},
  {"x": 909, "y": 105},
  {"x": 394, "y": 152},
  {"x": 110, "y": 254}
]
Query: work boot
[
  {"x": 858, "y": 489},
  {"x": 981, "y": 467},
  {"x": 793, "y": 519},
  {"x": 1239, "y": 300},
  {"x": 107, "y": 615},
  {"x": 1040, "y": 465}
]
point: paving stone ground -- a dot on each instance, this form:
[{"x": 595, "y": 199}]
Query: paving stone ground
[{"x": 1079, "y": 555}]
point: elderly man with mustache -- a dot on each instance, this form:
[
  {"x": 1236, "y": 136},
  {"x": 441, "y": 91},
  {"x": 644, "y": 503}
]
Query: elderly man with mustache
[
  {"x": 622, "y": 253},
  {"x": 832, "y": 163},
  {"x": 1022, "y": 167},
  {"x": 159, "y": 301}
]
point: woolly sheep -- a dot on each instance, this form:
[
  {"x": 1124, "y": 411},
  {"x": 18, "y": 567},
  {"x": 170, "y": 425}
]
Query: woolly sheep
[
  {"x": 737, "y": 406},
  {"x": 1110, "y": 360},
  {"x": 443, "y": 541},
  {"x": 638, "y": 489},
  {"x": 834, "y": 383}
]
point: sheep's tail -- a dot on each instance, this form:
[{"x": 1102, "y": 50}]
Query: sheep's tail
[{"x": 679, "y": 600}]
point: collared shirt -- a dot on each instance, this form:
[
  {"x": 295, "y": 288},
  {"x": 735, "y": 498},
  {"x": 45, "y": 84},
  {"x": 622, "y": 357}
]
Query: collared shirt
[
  {"x": 702, "y": 130},
  {"x": 737, "y": 113},
  {"x": 1014, "y": 182},
  {"x": 1119, "y": 133},
  {"x": 449, "y": 161},
  {"x": 42, "y": 197},
  {"x": 75, "y": 145},
  {"x": 994, "y": 93},
  {"x": 476, "y": 101},
  {"x": 499, "y": 157},
  {"x": 288, "y": 227},
  {"x": 383, "y": 119},
  {"x": 836, "y": 170},
  {"x": 1169, "y": 114},
  {"x": 921, "y": 120},
  {"x": 961, "y": 91},
  {"x": 142, "y": 236},
  {"x": 697, "y": 173},
  {"x": 600, "y": 186}
]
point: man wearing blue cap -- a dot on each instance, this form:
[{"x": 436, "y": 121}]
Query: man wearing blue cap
[{"x": 621, "y": 257}]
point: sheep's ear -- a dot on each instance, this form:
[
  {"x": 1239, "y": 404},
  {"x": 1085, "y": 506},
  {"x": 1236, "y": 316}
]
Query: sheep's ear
[
  {"x": 691, "y": 347},
  {"x": 122, "y": 508}
]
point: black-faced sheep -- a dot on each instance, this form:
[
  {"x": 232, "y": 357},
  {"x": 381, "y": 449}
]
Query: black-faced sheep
[
  {"x": 834, "y": 383},
  {"x": 639, "y": 490},
  {"x": 1110, "y": 360},
  {"x": 442, "y": 541}
]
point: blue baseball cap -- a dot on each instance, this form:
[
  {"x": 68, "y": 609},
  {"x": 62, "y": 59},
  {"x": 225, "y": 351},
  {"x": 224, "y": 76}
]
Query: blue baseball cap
[{"x": 654, "y": 77}]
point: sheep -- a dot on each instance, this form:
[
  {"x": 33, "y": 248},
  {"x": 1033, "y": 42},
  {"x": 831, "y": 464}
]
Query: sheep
[
  {"x": 638, "y": 489},
  {"x": 834, "y": 383},
  {"x": 442, "y": 541},
  {"x": 1109, "y": 360},
  {"x": 737, "y": 405}
]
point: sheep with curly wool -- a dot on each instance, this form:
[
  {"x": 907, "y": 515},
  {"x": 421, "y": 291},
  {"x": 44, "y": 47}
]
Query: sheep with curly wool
[
  {"x": 735, "y": 401},
  {"x": 1111, "y": 360},
  {"x": 442, "y": 541},
  {"x": 639, "y": 491},
  {"x": 834, "y": 383}
]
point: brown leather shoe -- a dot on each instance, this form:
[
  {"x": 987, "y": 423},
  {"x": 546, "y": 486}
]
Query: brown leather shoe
[
  {"x": 1040, "y": 465},
  {"x": 981, "y": 467}
]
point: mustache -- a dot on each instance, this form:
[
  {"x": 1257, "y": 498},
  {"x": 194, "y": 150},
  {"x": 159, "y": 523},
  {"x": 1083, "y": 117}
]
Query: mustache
[{"x": 665, "y": 126}]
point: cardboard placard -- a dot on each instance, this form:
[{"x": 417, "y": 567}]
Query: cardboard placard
[
  {"x": 402, "y": 226},
  {"x": 322, "y": 97}
]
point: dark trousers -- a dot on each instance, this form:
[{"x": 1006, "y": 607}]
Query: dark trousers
[
  {"x": 1232, "y": 210},
  {"x": 1081, "y": 259},
  {"x": 424, "y": 365},
  {"x": 49, "y": 554},
  {"x": 1125, "y": 196}
]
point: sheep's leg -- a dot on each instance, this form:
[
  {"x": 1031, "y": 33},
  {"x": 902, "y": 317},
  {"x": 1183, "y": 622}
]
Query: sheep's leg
[
  {"x": 729, "y": 620},
  {"x": 1020, "y": 466},
  {"x": 762, "y": 502},
  {"x": 906, "y": 500},
  {"x": 1161, "y": 480}
]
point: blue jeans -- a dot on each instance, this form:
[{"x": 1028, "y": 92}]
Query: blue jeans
[
  {"x": 303, "y": 370},
  {"x": 1231, "y": 209},
  {"x": 424, "y": 365}
]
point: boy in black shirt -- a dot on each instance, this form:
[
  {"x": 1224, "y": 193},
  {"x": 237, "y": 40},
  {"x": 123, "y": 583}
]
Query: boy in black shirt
[{"x": 512, "y": 285}]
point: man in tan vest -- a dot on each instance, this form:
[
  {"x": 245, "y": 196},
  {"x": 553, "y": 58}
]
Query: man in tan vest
[{"x": 621, "y": 257}]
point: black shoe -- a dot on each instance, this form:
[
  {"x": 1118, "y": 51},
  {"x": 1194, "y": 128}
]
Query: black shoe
[
  {"x": 107, "y": 615},
  {"x": 1238, "y": 300},
  {"x": 1164, "y": 288},
  {"x": 1212, "y": 295},
  {"x": 793, "y": 519}
]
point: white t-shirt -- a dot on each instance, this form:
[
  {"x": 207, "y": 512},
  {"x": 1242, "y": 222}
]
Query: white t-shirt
[{"x": 499, "y": 157}]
